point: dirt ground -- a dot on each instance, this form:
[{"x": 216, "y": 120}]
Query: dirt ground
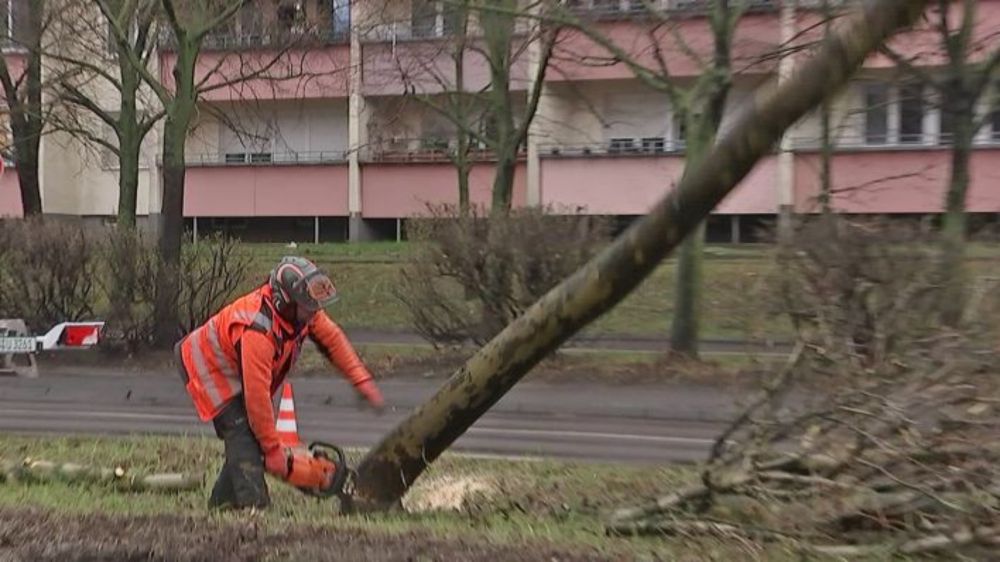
[{"x": 35, "y": 535}]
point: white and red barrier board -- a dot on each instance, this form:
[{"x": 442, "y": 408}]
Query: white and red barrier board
[{"x": 68, "y": 335}]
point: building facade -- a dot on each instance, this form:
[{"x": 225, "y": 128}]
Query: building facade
[{"x": 349, "y": 145}]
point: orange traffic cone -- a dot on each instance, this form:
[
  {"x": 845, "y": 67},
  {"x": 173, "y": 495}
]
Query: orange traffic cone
[{"x": 288, "y": 430}]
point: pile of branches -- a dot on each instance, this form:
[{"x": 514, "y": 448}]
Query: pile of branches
[{"x": 878, "y": 435}]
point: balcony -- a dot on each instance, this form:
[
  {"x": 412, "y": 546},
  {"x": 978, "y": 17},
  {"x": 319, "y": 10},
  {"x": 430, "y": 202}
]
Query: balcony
[
  {"x": 404, "y": 189},
  {"x": 277, "y": 25},
  {"x": 266, "y": 190},
  {"x": 631, "y": 183}
]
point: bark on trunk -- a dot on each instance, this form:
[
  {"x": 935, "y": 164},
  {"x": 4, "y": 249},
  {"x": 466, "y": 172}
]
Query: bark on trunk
[
  {"x": 26, "y": 150},
  {"x": 503, "y": 181},
  {"x": 826, "y": 156},
  {"x": 129, "y": 144},
  {"x": 171, "y": 227},
  {"x": 954, "y": 228},
  {"x": 392, "y": 466},
  {"x": 687, "y": 291}
]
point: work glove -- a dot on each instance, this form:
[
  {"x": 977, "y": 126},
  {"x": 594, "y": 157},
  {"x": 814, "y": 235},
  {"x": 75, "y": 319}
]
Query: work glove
[
  {"x": 368, "y": 391},
  {"x": 277, "y": 461}
]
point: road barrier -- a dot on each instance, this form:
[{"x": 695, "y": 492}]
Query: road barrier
[{"x": 17, "y": 342}]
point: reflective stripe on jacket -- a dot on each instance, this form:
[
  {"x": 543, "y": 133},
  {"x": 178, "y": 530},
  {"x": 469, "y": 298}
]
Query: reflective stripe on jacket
[{"x": 211, "y": 352}]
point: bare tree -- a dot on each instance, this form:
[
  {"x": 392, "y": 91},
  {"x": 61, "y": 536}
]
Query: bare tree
[
  {"x": 23, "y": 88},
  {"x": 96, "y": 61},
  {"x": 698, "y": 106},
  {"x": 392, "y": 466},
  {"x": 497, "y": 35},
  {"x": 189, "y": 24},
  {"x": 971, "y": 63}
]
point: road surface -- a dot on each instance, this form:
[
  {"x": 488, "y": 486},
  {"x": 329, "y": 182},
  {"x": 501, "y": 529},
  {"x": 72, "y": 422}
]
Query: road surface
[{"x": 637, "y": 423}]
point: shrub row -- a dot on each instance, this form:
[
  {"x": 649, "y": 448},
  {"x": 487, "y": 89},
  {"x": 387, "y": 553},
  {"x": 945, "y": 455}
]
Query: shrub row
[{"x": 55, "y": 271}]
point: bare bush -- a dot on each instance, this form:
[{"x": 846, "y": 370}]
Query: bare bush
[
  {"x": 877, "y": 435},
  {"x": 129, "y": 287},
  {"x": 48, "y": 272},
  {"x": 473, "y": 274},
  {"x": 212, "y": 272}
]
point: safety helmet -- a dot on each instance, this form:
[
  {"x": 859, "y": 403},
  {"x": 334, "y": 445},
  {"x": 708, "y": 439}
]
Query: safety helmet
[{"x": 298, "y": 282}]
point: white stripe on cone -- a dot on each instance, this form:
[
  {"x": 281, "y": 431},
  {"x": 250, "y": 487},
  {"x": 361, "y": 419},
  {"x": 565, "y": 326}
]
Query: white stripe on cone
[{"x": 287, "y": 425}]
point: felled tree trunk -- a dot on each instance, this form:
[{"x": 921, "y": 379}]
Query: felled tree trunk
[
  {"x": 47, "y": 471},
  {"x": 391, "y": 467}
]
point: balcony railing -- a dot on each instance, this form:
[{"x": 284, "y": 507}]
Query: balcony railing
[
  {"x": 639, "y": 8},
  {"x": 891, "y": 140},
  {"x": 275, "y": 37},
  {"x": 428, "y": 149},
  {"x": 620, "y": 146},
  {"x": 263, "y": 158}
]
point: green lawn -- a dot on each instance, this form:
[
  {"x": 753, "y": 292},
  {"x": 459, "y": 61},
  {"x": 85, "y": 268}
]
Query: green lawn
[
  {"x": 523, "y": 503},
  {"x": 736, "y": 294},
  {"x": 367, "y": 276}
]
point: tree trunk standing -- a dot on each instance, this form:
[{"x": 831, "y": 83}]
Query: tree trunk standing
[
  {"x": 706, "y": 106},
  {"x": 463, "y": 168},
  {"x": 826, "y": 140},
  {"x": 954, "y": 227},
  {"x": 503, "y": 181},
  {"x": 687, "y": 291},
  {"x": 129, "y": 143},
  {"x": 25, "y": 107},
  {"x": 392, "y": 466},
  {"x": 26, "y": 150},
  {"x": 826, "y": 157},
  {"x": 175, "y": 128},
  {"x": 498, "y": 32}
]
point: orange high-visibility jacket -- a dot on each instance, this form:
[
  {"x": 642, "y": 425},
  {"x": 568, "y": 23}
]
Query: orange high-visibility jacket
[{"x": 248, "y": 348}]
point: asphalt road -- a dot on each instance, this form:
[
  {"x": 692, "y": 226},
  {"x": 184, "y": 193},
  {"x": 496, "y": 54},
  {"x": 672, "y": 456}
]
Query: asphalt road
[{"x": 637, "y": 424}]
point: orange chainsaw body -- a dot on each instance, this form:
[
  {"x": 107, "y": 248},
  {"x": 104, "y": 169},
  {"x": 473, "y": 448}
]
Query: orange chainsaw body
[{"x": 314, "y": 472}]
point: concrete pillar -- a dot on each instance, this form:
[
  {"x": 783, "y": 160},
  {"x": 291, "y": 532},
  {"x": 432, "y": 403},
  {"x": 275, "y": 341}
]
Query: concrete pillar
[
  {"x": 315, "y": 230},
  {"x": 194, "y": 230},
  {"x": 734, "y": 229},
  {"x": 355, "y": 125},
  {"x": 786, "y": 155},
  {"x": 399, "y": 230}
]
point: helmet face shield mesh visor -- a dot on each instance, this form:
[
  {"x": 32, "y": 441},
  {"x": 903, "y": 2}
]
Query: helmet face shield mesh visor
[{"x": 317, "y": 292}]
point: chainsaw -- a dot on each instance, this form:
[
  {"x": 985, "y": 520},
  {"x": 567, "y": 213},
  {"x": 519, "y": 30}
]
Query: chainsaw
[{"x": 319, "y": 470}]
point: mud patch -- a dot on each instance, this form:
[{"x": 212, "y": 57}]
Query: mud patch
[
  {"x": 449, "y": 493},
  {"x": 35, "y": 535}
]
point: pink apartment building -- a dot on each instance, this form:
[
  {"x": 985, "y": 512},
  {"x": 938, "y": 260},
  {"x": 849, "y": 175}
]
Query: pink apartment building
[{"x": 344, "y": 153}]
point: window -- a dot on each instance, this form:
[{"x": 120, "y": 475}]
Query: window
[
  {"x": 876, "y": 113},
  {"x": 653, "y": 144},
  {"x": 946, "y": 126},
  {"x": 680, "y": 130},
  {"x": 423, "y": 19},
  {"x": 14, "y": 20},
  {"x": 995, "y": 124},
  {"x": 235, "y": 158},
  {"x": 911, "y": 114},
  {"x": 260, "y": 157},
  {"x": 607, "y": 6},
  {"x": 620, "y": 144},
  {"x": 340, "y": 17},
  {"x": 452, "y": 17}
]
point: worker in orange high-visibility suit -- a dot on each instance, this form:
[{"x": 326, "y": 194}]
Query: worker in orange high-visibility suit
[{"x": 234, "y": 364}]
